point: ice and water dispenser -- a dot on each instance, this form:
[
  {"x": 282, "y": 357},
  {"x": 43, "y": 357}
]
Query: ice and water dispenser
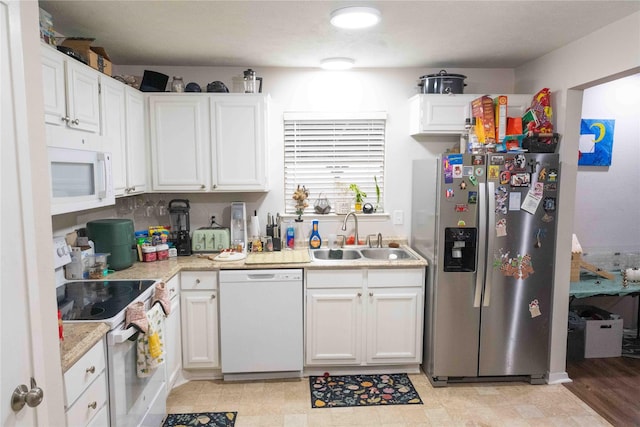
[{"x": 460, "y": 249}]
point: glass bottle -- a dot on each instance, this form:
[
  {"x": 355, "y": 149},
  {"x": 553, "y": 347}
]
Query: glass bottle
[
  {"x": 250, "y": 81},
  {"x": 177, "y": 85}
]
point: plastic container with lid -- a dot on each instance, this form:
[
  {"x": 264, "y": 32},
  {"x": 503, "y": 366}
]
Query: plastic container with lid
[
  {"x": 162, "y": 252},
  {"x": 149, "y": 254}
]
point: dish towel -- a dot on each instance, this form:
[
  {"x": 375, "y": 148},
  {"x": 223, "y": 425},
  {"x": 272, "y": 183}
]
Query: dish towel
[
  {"x": 160, "y": 296},
  {"x": 150, "y": 346}
]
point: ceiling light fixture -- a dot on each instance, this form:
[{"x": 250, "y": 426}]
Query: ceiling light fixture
[
  {"x": 355, "y": 17},
  {"x": 337, "y": 63}
]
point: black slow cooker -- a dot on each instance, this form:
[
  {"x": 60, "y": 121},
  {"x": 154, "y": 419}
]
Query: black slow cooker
[{"x": 442, "y": 82}]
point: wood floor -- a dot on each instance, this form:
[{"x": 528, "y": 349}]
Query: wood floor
[{"x": 611, "y": 386}]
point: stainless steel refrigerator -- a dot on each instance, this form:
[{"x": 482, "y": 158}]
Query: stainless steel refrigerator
[{"x": 487, "y": 226}]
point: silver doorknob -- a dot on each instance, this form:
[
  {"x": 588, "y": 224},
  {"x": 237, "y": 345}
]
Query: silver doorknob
[
  {"x": 22, "y": 395},
  {"x": 75, "y": 122}
]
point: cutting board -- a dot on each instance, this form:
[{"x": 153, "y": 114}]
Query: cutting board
[{"x": 281, "y": 257}]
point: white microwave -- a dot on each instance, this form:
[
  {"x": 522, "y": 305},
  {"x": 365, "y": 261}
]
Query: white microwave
[{"x": 80, "y": 179}]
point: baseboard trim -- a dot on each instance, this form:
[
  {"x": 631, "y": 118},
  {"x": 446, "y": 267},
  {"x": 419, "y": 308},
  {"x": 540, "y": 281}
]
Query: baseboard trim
[{"x": 558, "y": 378}]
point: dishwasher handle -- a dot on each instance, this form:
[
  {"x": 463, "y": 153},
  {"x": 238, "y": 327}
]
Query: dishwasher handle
[{"x": 262, "y": 276}]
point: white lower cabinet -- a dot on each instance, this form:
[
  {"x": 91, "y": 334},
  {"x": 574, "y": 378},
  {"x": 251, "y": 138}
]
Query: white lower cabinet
[
  {"x": 200, "y": 321},
  {"x": 173, "y": 334},
  {"x": 364, "y": 317},
  {"x": 86, "y": 390}
]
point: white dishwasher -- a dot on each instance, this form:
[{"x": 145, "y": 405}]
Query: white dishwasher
[{"x": 261, "y": 324}]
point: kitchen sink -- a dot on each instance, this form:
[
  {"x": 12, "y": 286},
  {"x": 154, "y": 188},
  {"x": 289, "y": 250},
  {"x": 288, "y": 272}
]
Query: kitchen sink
[
  {"x": 337, "y": 255},
  {"x": 386, "y": 253}
]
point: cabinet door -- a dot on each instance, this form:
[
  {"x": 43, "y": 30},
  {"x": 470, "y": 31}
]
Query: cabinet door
[
  {"x": 238, "y": 155},
  {"x": 136, "y": 142},
  {"x": 113, "y": 130},
  {"x": 179, "y": 141},
  {"x": 173, "y": 344},
  {"x": 440, "y": 114},
  {"x": 334, "y": 327},
  {"x": 83, "y": 104},
  {"x": 394, "y": 325},
  {"x": 200, "y": 341},
  {"x": 53, "y": 86}
]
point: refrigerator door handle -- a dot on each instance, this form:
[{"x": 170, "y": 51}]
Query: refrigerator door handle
[
  {"x": 482, "y": 231},
  {"x": 491, "y": 238}
]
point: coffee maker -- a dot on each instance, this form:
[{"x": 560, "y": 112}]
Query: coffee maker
[{"x": 179, "y": 218}]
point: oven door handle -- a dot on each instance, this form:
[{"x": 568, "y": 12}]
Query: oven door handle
[{"x": 120, "y": 336}]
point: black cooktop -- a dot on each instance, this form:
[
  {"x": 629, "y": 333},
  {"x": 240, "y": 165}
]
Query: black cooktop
[{"x": 98, "y": 300}]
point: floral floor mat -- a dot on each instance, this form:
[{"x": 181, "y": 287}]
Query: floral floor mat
[
  {"x": 362, "y": 390},
  {"x": 202, "y": 419}
]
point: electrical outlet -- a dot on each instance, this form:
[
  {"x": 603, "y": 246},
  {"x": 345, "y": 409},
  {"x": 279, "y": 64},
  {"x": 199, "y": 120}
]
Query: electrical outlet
[{"x": 398, "y": 217}]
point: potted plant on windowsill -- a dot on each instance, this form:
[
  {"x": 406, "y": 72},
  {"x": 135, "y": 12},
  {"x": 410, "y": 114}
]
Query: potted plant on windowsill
[{"x": 359, "y": 196}]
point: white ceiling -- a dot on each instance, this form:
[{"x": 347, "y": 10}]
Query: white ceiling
[{"x": 456, "y": 34}]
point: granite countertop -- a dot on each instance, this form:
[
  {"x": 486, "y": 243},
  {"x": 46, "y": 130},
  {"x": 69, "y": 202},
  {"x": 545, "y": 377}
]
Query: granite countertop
[
  {"x": 164, "y": 270},
  {"x": 78, "y": 339}
]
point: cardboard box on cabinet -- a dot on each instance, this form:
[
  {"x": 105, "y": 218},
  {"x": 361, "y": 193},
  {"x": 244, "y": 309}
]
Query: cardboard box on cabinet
[
  {"x": 603, "y": 332},
  {"x": 96, "y": 57}
]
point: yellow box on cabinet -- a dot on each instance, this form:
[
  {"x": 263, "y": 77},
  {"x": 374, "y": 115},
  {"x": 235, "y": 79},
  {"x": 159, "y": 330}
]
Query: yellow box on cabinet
[{"x": 96, "y": 57}]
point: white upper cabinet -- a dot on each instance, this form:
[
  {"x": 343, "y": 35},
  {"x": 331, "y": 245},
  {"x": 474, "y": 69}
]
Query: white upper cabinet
[
  {"x": 208, "y": 143},
  {"x": 123, "y": 135},
  {"x": 71, "y": 92},
  {"x": 179, "y": 133},
  {"x": 135, "y": 131},
  {"x": 238, "y": 146},
  {"x": 439, "y": 114}
]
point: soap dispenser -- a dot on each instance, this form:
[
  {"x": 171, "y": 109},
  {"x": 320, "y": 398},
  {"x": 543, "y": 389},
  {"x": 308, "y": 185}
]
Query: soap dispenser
[{"x": 315, "y": 241}]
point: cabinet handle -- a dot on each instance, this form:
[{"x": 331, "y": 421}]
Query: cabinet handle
[
  {"x": 91, "y": 370},
  {"x": 197, "y": 281},
  {"x": 214, "y": 186},
  {"x": 203, "y": 186},
  {"x": 93, "y": 405},
  {"x": 75, "y": 122},
  {"x": 370, "y": 294},
  {"x": 359, "y": 294},
  {"x": 133, "y": 188},
  {"x": 213, "y": 296},
  {"x": 65, "y": 119}
]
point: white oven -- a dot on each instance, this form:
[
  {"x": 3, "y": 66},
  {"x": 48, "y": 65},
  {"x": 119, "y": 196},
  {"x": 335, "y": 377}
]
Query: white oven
[
  {"x": 133, "y": 401},
  {"x": 80, "y": 179}
]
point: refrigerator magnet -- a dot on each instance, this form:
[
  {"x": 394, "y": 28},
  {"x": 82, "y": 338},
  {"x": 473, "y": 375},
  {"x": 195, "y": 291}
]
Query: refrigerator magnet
[
  {"x": 547, "y": 218},
  {"x": 550, "y": 186},
  {"x": 473, "y": 180},
  {"x": 520, "y": 180},
  {"x": 520, "y": 162},
  {"x": 467, "y": 170},
  {"x": 461, "y": 223},
  {"x": 472, "y": 198},
  {"x": 463, "y": 185},
  {"x": 549, "y": 204},
  {"x": 449, "y": 193},
  {"x": 494, "y": 172},
  {"x": 501, "y": 228},
  {"x": 462, "y": 207},
  {"x": 479, "y": 171},
  {"x": 542, "y": 175},
  {"x": 477, "y": 159},
  {"x": 457, "y": 171},
  {"x": 534, "y": 308},
  {"x": 505, "y": 177},
  {"x": 553, "y": 175},
  {"x": 497, "y": 160}
]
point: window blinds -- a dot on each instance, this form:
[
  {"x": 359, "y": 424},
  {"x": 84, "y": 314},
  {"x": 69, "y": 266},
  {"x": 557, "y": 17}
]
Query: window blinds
[{"x": 327, "y": 152}]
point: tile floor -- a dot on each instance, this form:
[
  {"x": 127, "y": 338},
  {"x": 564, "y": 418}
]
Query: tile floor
[{"x": 287, "y": 403}]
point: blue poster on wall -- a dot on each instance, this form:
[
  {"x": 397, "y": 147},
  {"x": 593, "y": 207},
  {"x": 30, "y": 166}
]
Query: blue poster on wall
[{"x": 596, "y": 142}]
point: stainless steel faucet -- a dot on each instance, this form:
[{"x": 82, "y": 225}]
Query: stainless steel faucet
[{"x": 355, "y": 219}]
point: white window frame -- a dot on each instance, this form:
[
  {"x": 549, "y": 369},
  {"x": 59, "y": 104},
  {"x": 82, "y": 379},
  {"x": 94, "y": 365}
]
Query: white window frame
[{"x": 323, "y": 133}]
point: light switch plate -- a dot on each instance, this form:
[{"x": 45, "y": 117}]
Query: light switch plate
[{"x": 398, "y": 217}]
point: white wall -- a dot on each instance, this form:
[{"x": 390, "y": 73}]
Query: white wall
[
  {"x": 316, "y": 90},
  {"x": 606, "y": 209},
  {"x": 606, "y": 54}
]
